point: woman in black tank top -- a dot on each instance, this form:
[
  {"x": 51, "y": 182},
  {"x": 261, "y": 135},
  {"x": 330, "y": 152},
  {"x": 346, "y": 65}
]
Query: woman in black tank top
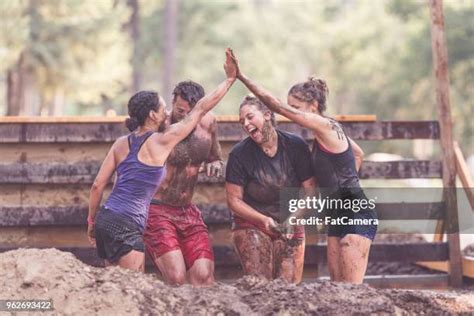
[{"x": 336, "y": 160}]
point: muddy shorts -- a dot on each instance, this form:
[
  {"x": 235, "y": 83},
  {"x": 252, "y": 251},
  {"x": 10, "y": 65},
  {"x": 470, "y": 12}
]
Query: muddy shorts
[
  {"x": 177, "y": 228},
  {"x": 116, "y": 235}
]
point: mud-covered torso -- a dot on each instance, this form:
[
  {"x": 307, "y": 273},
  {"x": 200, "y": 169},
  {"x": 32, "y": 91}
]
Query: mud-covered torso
[
  {"x": 262, "y": 177},
  {"x": 182, "y": 167}
]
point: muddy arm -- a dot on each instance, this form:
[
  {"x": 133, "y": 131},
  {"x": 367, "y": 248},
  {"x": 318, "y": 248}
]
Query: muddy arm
[{"x": 239, "y": 207}]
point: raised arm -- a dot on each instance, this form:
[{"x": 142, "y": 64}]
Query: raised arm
[
  {"x": 305, "y": 119},
  {"x": 177, "y": 132}
]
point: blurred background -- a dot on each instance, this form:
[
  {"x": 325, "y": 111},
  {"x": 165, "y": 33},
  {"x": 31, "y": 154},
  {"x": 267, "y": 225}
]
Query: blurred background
[{"x": 76, "y": 57}]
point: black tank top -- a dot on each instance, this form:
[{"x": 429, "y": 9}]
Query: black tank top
[{"x": 334, "y": 173}]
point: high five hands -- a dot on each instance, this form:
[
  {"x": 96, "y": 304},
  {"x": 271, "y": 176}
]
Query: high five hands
[
  {"x": 230, "y": 55},
  {"x": 230, "y": 66}
]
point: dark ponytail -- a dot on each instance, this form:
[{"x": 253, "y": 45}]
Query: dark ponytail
[
  {"x": 139, "y": 107},
  {"x": 131, "y": 123}
]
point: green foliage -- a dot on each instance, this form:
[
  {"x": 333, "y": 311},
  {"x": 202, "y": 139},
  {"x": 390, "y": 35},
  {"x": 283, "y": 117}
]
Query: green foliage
[{"x": 374, "y": 55}]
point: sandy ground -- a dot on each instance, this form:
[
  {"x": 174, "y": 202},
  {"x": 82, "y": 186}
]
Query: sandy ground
[{"x": 79, "y": 289}]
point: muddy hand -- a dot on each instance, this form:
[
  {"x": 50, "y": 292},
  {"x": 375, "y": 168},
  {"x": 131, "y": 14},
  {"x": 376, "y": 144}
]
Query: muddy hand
[
  {"x": 230, "y": 66},
  {"x": 230, "y": 53},
  {"x": 215, "y": 168}
]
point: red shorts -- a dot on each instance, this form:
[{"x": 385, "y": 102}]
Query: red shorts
[{"x": 172, "y": 228}]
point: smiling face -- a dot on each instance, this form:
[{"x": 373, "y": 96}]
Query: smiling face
[
  {"x": 181, "y": 108},
  {"x": 255, "y": 123}
]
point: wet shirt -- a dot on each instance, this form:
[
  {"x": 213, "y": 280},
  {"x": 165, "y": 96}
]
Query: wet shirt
[
  {"x": 263, "y": 177},
  {"x": 335, "y": 173}
]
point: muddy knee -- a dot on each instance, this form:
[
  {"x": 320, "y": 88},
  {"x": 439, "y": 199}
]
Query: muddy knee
[
  {"x": 255, "y": 252},
  {"x": 175, "y": 277}
]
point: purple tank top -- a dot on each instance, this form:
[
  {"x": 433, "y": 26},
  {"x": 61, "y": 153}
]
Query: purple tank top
[{"x": 136, "y": 184}]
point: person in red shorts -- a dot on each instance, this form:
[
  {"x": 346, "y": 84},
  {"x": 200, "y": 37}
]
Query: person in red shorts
[{"x": 176, "y": 236}]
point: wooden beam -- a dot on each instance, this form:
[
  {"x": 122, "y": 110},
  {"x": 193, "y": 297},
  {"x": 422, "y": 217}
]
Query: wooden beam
[
  {"x": 85, "y": 172},
  {"x": 467, "y": 266},
  {"x": 84, "y": 132},
  {"x": 25, "y": 216},
  {"x": 421, "y": 281},
  {"x": 464, "y": 175},
  {"x": 440, "y": 67},
  {"x": 213, "y": 214},
  {"x": 314, "y": 254}
]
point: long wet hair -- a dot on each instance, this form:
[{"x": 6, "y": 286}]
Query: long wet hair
[
  {"x": 139, "y": 107},
  {"x": 311, "y": 90}
]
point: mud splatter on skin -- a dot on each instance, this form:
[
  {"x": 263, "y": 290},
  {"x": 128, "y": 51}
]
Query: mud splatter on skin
[
  {"x": 289, "y": 259},
  {"x": 182, "y": 166},
  {"x": 264, "y": 257},
  {"x": 254, "y": 249}
]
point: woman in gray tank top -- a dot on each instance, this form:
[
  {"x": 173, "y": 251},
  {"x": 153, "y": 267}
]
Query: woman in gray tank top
[
  {"x": 336, "y": 160},
  {"x": 139, "y": 158}
]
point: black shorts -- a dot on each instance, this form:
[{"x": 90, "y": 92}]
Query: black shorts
[
  {"x": 345, "y": 216},
  {"x": 368, "y": 231},
  {"x": 116, "y": 235}
]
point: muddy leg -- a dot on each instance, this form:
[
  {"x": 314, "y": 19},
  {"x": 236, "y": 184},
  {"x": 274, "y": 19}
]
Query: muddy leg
[
  {"x": 289, "y": 259},
  {"x": 334, "y": 258},
  {"x": 172, "y": 267},
  {"x": 202, "y": 272},
  {"x": 134, "y": 260},
  {"x": 254, "y": 249},
  {"x": 354, "y": 257}
]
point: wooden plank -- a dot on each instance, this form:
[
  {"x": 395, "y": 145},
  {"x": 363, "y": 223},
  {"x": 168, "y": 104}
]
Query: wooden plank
[
  {"x": 421, "y": 281},
  {"x": 441, "y": 71},
  {"x": 403, "y": 169},
  {"x": 213, "y": 214},
  {"x": 122, "y": 118},
  {"x": 406, "y": 252},
  {"x": 85, "y": 172},
  {"x": 314, "y": 254},
  {"x": 228, "y": 131},
  {"x": 25, "y": 216},
  {"x": 61, "y": 132},
  {"x": 467, "y": 266},
  {"x": 410, "y": 211},
  {"x": 464, "y": 175}
]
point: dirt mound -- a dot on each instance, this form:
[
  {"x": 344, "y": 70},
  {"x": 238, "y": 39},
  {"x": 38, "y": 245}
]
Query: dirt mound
[{"x": 78, "y": 289}]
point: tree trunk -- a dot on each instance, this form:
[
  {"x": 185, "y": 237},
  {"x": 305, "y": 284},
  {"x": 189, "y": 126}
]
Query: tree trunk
[
  {"x": 134, "y": 29},
  {"x": 169, "y": 48}
]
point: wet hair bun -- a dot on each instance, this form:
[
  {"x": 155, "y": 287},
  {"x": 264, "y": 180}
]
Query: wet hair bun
[{"x": 131, "y": 123}]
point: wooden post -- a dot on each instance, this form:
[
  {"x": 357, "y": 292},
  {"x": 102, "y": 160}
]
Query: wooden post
[{"x": 440, "y": 66}]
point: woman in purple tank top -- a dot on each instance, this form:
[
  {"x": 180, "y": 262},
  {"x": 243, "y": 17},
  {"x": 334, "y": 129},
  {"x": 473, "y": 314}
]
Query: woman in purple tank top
[
  {"x": 116, "y": 228},
  {"x": 336, "y": 160}
]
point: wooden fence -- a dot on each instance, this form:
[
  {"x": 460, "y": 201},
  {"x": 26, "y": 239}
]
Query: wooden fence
[{"x": 47, "y": 167}]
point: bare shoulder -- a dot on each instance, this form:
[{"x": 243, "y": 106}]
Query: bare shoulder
[{"x": 121, "y": 143}]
